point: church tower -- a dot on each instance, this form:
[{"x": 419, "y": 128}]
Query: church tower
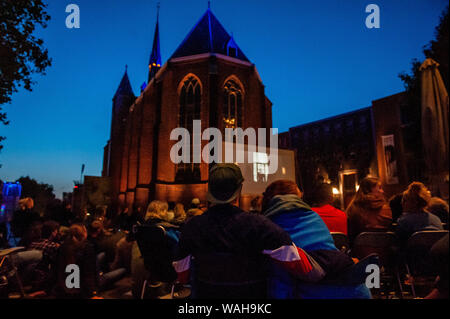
[
  {"x": 122, "y": 100},
  {"x": 207, "y": 78}
]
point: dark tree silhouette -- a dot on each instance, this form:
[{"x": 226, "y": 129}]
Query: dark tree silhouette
[
  {"x": 21, "y": 53},
  {"x": 41, "y": 193}
]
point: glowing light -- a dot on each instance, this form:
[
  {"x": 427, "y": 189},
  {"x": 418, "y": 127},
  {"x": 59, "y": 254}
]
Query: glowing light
[
  {"x": 229, "y": 122},
  {"x": 335, "y": 191},
  {"x": 357, "y": 187}
]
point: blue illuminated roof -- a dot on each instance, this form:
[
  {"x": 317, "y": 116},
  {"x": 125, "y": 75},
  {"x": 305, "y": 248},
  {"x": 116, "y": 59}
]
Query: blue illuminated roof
[{"x": 207, "y": 36}]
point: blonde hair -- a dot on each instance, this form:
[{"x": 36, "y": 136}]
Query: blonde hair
[
  {"x": 178, "y": 211},
  {"x": 78, "y": 232},
  {"x": 156, "y": 209},
  {"x": 26, "y": 203},
  {"x": 415, "y": 198}
]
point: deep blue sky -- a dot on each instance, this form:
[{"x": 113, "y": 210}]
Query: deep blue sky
[{"x": 316, "y": 58}]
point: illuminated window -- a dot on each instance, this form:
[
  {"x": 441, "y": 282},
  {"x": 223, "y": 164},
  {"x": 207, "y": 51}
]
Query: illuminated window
[
  {"x": 232, "y": 105},
  {"x": 260, "y": 167},
  {"x": 190, "y": 98}
]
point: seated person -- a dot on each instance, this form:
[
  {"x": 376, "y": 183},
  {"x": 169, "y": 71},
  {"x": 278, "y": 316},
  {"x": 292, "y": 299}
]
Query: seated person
[
  {"x": 104, "y": 241},
  {"x": 158, "y": 250},
  {"x": 49, "y": 245},
  {"x": 439, "y": 207},
  {"x": 283, "y": 205},
  {"x": 368, "y": 211},
  {"x": 179, "y": 215},
  {"x": 335, "y": 219},
  {"x": 415, "y": 216},
  {"x": 226, "y": 230},
  {"x": 122, "y": 258},
  {"x": 77, "y": 250}
]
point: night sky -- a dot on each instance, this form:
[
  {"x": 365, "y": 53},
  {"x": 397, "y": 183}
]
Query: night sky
[{"x": 316, "y": 58}]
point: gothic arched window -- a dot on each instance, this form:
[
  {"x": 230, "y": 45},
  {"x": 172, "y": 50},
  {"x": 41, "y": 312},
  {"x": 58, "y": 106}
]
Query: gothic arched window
[
  {"x": 190, "y": 99},
  {"x": 232, "y": 105}
]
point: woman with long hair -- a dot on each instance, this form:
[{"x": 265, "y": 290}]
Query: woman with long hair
[
  {"x": 369, "y": 210},
  {"x": 415, "y": 216}
]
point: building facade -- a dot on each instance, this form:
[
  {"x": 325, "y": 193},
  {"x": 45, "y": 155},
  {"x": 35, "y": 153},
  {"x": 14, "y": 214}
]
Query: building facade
[
  {"x": 338, "y": 150},
  {"x": 207, "y": 78},
  {"x": 383, "y": 141}
]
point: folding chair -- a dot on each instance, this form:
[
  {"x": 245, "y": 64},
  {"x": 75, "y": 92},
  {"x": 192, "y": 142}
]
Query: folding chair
[
  {"x": 417, "y": 256},
  {"x": 384, "y": 245},
  {"x": 341, "y": 241},
  {"x": 156, "y": 249}
]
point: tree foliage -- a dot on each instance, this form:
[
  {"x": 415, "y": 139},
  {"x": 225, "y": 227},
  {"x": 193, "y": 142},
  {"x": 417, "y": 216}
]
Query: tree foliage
[
  {"x": 41, "y": 193},
  {"x": 437, "y": 50},
  {"x": 21, "y": 53}
]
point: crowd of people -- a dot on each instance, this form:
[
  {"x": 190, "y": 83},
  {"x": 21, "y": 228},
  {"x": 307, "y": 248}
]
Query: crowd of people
[{"x": 281, "y": 248}]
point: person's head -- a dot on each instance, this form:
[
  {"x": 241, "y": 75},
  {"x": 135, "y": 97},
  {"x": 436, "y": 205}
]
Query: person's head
[
  {"x": 157, "y": 209},
  {"x": 26, "y": 203},
  {"x": 438, "y": 207},
  {"x": 78, "y": 233},
  {"x": 370, "y": 185},
  {"x": 279, "y": 187},
  {"x": 323, "y": 194},
  {"x": 415, "y": 198},
  {"x": 50, "y": 230},
  {"x": 179, "y": 213},
  {"x": 96, "y": 229},
  {"x": 224, "y": 184},
  {"x": 195, "y": 202}
]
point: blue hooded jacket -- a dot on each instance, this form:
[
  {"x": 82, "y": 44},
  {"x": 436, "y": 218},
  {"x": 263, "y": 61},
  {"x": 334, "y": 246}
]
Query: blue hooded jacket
[{"x": 309, "y": 232}]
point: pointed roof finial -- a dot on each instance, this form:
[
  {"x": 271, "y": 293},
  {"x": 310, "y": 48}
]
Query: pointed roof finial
[
  {"x": 209, "y": 4},
  {"x": 126, "y": 67},
  {"x": 157, "y": 12}
]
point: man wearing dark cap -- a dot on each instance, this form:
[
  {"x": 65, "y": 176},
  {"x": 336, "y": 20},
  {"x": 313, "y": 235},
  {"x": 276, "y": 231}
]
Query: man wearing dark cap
[{"x": 229, "y": 249}]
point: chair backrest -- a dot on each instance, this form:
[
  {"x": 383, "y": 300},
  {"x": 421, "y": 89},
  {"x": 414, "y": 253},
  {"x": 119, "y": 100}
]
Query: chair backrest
[
  {"x": 341, "y": 241},
  {"x": 380, "y": 243},
  {"x": 425, "y": 239},
  {"x": 224, "y": 275},
  {"x": 418, "y": 249},
  {"x": 157, "y": 251}
]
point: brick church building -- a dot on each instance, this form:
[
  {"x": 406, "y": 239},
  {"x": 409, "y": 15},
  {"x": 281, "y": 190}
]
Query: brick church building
[{"x": 208, "y": 78}]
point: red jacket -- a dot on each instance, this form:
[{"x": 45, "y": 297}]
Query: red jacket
[{"x": 335, "y": 219}]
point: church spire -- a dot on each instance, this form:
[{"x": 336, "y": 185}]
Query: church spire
[
  {"x": 124, "y": 86},
  {"x": 155, "y": 57}
]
